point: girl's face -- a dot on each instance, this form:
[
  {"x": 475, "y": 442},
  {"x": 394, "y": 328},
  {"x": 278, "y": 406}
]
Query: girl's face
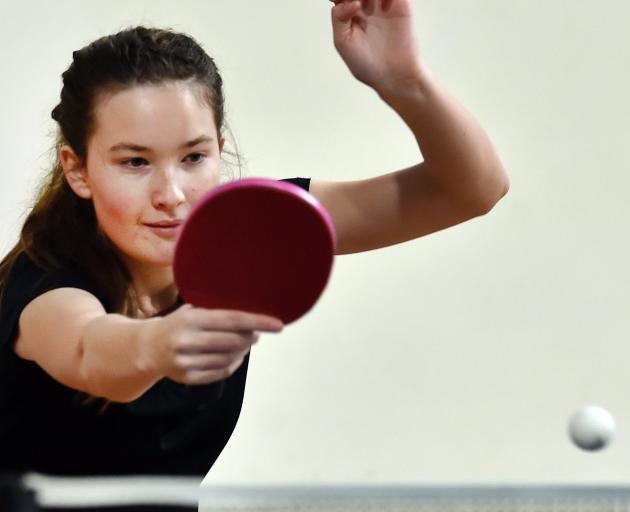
[{"x": 154, "y": 152}]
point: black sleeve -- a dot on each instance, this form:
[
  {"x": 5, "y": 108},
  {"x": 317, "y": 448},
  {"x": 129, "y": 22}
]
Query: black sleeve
[
  {"x": 304, "y": 183},
  {"x": 25, "y": 283}
]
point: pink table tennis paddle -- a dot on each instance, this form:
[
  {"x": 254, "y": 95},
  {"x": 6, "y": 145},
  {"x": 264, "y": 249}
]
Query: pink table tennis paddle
[{"x": 255, "y": 245}]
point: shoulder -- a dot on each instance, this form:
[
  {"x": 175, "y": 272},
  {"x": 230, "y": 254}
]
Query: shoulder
[{"x": 26, "y": 282}]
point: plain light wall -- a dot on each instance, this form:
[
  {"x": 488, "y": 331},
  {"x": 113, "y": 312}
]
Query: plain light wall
[{"x": 460, "y": 356}]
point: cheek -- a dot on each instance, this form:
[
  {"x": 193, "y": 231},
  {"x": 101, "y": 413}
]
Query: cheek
[
  {"x": 198, "y": 189},
  {"x": 114, "y": 207}
]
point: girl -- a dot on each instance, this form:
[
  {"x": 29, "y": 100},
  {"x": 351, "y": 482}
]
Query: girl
[{"x": 94, "y": 379}]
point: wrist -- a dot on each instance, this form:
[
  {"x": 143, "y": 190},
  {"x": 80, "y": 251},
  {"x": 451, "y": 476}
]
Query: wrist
[
  {"x": 147, "y": 349},
  {"x": 415, "y": 87}
]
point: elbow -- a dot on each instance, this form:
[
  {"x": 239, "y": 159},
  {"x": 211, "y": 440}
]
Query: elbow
[{"x": 500, "y": 188}]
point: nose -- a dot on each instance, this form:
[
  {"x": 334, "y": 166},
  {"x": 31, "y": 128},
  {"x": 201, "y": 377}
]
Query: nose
[{"x": 167, "y": 190}]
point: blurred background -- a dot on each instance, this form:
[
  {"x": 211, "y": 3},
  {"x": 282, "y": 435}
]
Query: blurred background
[{"x": 457, "y": 357}]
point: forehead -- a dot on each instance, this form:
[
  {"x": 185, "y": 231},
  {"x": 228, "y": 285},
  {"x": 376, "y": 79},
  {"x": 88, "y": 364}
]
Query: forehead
[{"x": 143, "y": 113}]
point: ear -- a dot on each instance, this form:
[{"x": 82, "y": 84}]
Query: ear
[
  {"x": 76, "y": 174},
  {"x": 221, "y": 143}
]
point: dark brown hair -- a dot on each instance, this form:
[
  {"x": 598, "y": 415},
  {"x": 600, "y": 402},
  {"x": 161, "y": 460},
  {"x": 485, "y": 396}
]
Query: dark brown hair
[{"x": 60, "y": 233}]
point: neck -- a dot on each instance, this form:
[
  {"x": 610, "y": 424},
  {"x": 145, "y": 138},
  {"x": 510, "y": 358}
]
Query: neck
[{"x": 154, "y": 288}]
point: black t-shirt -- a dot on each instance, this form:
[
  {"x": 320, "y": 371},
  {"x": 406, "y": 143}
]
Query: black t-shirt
[{"x": 46, "y": 427}]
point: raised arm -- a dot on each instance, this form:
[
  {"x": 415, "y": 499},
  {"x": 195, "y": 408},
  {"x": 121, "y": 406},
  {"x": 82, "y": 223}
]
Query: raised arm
[{"x": 461, "y": 176}]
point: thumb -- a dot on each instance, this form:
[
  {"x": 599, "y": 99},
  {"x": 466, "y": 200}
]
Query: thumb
[{"x": 344, "y": 11}]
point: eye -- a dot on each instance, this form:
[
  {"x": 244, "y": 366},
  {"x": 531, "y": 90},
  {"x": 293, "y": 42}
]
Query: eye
[
  {"x": 196, "y": 158},
  {"x": 136, "y": 162}
]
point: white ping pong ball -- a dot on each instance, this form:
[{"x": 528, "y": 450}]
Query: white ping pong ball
[{"x": 592, "y": 428}]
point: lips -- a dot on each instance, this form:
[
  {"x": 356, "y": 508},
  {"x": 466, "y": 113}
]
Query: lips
[
  {"x": 165, "y": 224},
  {"x": 168, "y": 230}
]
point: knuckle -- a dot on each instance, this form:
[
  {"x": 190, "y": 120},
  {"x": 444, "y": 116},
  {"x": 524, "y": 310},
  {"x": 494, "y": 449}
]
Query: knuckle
[
  {"x": 197, "y": 378},
  {"x": 244, "y": 338},
  {"x": 178, "y": 340},
  {"x": 216, "y": 362},
  {"x": 243, "y": 341},
  {"x": 227, "y": 360},
  {"x": 228, "y": 343},
  {"x": 191, "y": 377},
  {"x": 234, "y": 345},
  {"x": 180, "y": 363},
  {"x": 188, "y": 315},
  {"x": 213, "y": 363}
]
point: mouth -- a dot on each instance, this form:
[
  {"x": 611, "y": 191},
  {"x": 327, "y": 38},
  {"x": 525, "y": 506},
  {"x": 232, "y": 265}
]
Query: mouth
[
  {"x": 165, "y": 225},
  {"x": 166, "y": 229}
]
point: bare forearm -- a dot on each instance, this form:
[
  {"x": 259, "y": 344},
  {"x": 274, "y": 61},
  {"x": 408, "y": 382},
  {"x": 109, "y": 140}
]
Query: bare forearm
[
  {"x": 462, "y": 158},
  {"x": 115, "y": 359}
]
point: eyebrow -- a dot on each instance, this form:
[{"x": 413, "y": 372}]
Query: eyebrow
[{"x": 135, "y": 147}]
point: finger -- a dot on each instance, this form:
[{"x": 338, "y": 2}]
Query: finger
[
  {"x": 344, "y": 11},
  {"x": 208, "y": 362},
  {"x": 204, "y": 343},
  {"x": 385, "y": 6},
  {"x": 199, "y": 377},
  {"x": 205, "y": 362},
  {"x": 236, "y": 364},
  {"x": 369, "y": 6},
  {"x": 231, "y": 320}
]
